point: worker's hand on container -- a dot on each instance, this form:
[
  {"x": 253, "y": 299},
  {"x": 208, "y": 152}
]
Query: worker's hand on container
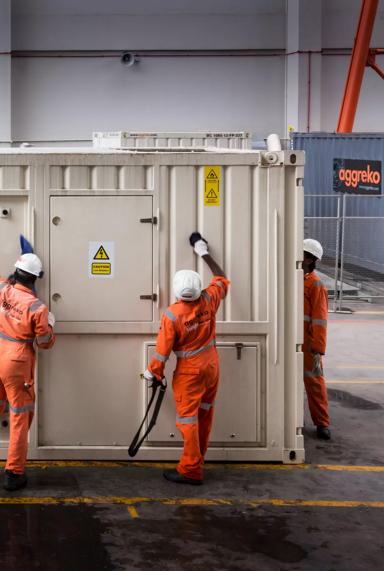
[
  {"x": 200, "y": 245},
  {"x": 51, "y": 319},
  {"x": 147, "y": 375}
]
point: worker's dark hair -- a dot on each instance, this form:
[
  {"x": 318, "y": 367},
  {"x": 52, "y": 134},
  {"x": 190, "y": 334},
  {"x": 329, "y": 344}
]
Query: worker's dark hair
[{"x": 23, "y": 278}]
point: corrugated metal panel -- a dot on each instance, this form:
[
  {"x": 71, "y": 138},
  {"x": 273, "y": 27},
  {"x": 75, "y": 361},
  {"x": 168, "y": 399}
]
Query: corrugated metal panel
[
  {"x": 14, "y": 178},
  {"x": 364, "y": 238}
]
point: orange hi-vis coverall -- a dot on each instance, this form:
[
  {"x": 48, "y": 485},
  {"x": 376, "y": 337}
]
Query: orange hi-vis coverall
[
  {"x": 315, "y": 339},
  {"x": 189, "y": 329},
  {"x": 23, "y": 321}
]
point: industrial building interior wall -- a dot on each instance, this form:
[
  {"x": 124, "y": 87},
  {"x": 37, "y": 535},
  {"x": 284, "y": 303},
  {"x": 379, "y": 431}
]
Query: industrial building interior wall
[{"x": 66, "y": 98}]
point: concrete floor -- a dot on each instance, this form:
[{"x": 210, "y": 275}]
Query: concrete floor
[{"x": 327, "y": 514}]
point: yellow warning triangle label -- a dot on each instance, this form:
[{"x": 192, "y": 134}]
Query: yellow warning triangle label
[
  {"x": 211, "y": 175},
  {"x": 211, "y": 194},
  {"x": 101, "y": 254}
]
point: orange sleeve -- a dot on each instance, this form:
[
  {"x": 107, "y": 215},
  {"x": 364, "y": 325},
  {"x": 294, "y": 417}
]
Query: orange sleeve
[
  {"x": 217, "y": 290},
  {"x": 164, "y": 344},
  {"x": 45, "y": 337},
  {"x": 319, "y": 317}
]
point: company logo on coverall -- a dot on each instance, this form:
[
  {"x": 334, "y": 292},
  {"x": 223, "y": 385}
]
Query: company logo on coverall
[
  {"x": 357, "y": 176},
  {"x": 6, "y": 307},
  {"x": 193, "y": 323}
]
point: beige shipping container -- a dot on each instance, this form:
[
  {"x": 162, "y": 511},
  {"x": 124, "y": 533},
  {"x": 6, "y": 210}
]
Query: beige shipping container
[{"x": 112, "y": 227}]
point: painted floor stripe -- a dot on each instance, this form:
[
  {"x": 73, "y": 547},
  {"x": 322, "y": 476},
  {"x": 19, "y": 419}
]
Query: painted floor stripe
[
  {"x": 133, "y": 512},
  {"x": 359, "y": 321},
  {"x": 192, "y": 502},
  {"x": 337, "y": 468},
  {"x": 369, "y": 312},
  {"x": 217, "y": 466},
  {"x": 355, "y": 382},
  {"x": 356, "y": 366}
]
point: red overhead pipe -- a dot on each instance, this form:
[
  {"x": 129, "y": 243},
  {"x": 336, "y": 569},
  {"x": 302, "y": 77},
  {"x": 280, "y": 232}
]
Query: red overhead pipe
[
  {"x": 371, "y": 62},
  {"x": 357, "y": 65}
]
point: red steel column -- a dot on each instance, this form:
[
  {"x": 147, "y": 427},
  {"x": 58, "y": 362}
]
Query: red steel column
[{"x": 357, "y": 65}]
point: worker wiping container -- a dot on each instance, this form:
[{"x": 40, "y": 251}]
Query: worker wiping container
[
  {"x": 24, "y": 322},
  {"x": 188, "y": 327},
  {"x": 315, "y": 338}
]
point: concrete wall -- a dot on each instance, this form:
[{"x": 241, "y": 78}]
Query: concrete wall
[{"x": 59, "y": 98}]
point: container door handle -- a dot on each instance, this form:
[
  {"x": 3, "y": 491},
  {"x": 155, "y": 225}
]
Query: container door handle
[{"x": 151, "y": 296}]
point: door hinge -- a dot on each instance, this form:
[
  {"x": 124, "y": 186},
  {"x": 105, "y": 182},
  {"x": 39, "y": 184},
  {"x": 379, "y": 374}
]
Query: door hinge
[
  {"x": 239, "y": 347},
  {"x": 151, "y": 296},
  {"x": 149, "y": 220}
]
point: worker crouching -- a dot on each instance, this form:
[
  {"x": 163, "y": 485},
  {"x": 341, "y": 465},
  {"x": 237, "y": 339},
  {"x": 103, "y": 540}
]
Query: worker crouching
[
  {"x": 315, "y": 338},
  {"x": 24, "y": 322},
  {"x": 188, "y": 327}
]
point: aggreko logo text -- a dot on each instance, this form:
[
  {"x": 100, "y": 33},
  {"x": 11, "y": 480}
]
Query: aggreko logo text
[{"x": 352, "y": 177}]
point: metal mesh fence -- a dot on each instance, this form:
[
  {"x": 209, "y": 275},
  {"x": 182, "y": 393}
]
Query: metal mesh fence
[{"x": 351, "y": 230}]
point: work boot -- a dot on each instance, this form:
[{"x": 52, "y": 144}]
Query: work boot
[
  {"x": 323, "y": 433},
  {"x": 13, "y": 481},
  {"x": 177, "y": 478}
]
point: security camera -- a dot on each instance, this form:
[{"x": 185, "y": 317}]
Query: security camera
[{"x": 129, "y": 59}]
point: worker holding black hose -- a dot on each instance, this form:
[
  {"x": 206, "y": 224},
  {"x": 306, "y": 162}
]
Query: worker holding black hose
[
  {"x": 188, "y": 327},
  {"x": 24, "y": 322}
]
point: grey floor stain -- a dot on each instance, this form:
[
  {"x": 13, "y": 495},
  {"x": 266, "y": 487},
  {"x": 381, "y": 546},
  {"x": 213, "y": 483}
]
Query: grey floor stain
[
  {"x": 51, "y": 538},
  {"x": 352, "y": 401},
  {"x": 203, "y": 539}
]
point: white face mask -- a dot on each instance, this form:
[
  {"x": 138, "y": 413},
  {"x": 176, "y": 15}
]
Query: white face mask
[{"x": 187, "y": 285}]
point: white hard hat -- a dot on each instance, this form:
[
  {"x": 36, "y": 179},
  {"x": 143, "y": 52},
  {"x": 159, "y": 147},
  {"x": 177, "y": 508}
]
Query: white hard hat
[
  {"x": 187, "y": 285},
  {"x": 313, "y": 247},
  {"x": 30, "y": 263}
]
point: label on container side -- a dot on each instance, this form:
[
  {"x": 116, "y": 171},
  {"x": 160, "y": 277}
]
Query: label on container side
[
  {"x": 212, "y": 176},
  {"x": 101, "y": 259}
]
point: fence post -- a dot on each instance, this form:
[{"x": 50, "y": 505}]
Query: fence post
[
  {"x": 335, "y": 289},
  {"x": 342, "y": 251}
]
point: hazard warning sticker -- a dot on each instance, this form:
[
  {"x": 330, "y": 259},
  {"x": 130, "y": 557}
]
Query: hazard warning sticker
[
  {"x": 212, "y": 186},
  {"x": 101, "y": 259}
]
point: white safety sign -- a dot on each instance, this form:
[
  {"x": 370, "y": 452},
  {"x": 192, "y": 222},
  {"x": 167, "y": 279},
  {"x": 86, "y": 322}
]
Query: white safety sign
[{"x": 101, "y": 259}]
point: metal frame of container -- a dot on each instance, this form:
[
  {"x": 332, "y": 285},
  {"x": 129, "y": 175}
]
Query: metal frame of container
[
  {"x": 177, "y": 139},
  {"x": 90, "y": 398}
]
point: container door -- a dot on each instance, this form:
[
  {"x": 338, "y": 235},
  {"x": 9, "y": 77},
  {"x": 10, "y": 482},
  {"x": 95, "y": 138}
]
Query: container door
[
  {"x": 240, "y": 402},
  {"x": 101, "y": 258}
]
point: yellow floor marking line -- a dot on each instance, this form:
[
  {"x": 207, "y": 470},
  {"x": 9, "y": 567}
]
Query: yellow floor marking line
[
  {"x": 318, "y": 503},
  {"x": 44, "y": 464},
  {"x": 356, "y": 366},
  {"x": 196, "y": 502},
  {"x": 133, "y": 512},
  {"x": 263, "y": 466},
  {"x": 337, "y": 468},
  {"x": 355, "y": 382},
  {"x": 363, "y": 312},
  {"x": 228, "y": 466},
  {"x": 192, "y": 502}
]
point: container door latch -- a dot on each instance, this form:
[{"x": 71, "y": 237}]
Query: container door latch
[
  {"x": 239, "y": 347},
  {"x": 151, "y": 296},
  {"x": 152, "y": 220}
]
